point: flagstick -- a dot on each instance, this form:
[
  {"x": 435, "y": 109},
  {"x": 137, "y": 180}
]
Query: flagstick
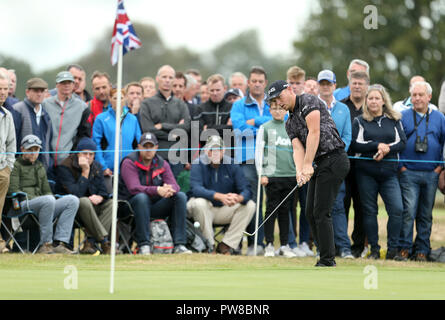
[
  {"x": 258, "y": 197},
  {"x": 116, "y": 167}
]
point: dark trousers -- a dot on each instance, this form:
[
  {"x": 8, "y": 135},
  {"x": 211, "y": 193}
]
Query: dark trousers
[
  {"x": 329, "y": 173},
  {"x": 358, "y": 234},
  {"x": 276, "y": 190}
]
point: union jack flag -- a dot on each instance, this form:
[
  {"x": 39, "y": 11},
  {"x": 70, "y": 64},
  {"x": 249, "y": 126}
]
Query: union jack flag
[{"x": 123, "y": 33}]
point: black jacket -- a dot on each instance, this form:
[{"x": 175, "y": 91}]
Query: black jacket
[{"x": 71, "y": 181}]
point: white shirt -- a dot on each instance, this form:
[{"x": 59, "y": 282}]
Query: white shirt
[{"x": 38, "y": 114}]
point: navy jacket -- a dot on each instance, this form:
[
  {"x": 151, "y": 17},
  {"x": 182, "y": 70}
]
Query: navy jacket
[
  {"x": 205, "y": 180},
  {"x": 366, "y": 136}
]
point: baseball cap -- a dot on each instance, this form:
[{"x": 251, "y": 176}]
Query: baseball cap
[
  {"x": 36, "y": 83},
  {"x": 148, "y": 137},
  {"x": 214, "y": 141},
  {"x": 31, "y": 141},
  {"x": 64, "y": 76},
  {"x": 235, "y": 92},
  {"x": 276, "y": 88},
  {"x": 326, "y": 75}
]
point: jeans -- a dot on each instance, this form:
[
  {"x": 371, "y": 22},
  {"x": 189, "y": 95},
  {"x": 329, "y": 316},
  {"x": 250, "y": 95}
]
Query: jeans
[
  {"x": 252, "y": 176},
  {"x": 340, "y": 223},
  {"x": 389, "y": 189},
  {"x": 47, "y": 209},
  {"x": 322, "y": 190},
  {"x": 145, "y": 209},
  {"x": 418, "y": 194}
]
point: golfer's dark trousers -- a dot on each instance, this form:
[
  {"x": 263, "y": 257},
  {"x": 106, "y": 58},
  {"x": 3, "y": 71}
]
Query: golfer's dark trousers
[{"x": 330, "y": 171}]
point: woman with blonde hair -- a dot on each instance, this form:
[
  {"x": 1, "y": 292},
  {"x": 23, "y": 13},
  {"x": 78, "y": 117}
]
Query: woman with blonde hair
[{"x": 378, "y": 138}]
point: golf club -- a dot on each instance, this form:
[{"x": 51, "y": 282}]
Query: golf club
[{"x": 282, "y": 201}]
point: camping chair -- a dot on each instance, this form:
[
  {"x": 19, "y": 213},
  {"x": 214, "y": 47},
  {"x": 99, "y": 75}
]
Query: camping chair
[
  {"x": 18, "y": 218},
  {"x": 125, "y": 226}
]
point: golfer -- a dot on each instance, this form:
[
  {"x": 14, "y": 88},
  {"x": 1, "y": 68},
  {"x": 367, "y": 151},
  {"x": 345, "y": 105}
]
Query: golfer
[{"x": 320, "y": 159}]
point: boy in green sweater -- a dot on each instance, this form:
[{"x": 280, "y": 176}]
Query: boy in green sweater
[
  {"x": 278, "y": 176},
  {"x": 29, "y": 176}
]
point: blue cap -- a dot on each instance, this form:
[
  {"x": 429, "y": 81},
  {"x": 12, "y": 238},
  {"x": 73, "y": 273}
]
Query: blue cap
[{"x": 327, "y": 75}]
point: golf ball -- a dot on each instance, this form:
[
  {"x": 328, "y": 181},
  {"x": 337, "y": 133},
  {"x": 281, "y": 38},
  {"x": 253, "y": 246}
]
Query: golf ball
[{"x": 196, "y": 224}]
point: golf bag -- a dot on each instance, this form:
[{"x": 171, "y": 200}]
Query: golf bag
[{"x": 195, "y": 240}]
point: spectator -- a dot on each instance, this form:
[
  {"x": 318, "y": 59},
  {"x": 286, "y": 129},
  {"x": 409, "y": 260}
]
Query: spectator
[
  {"x": 101, "y": 83},
  {"x": 204, "y": 92},
  {"x": 29, "y": 176},
  {"x": 81, "y": 175},
  {"x": 197, "y": 80},
  {"x": 7, "y": 147},
  {"x": 354, "y": 66},
  {"x": 8, "y": 105},
  {"x": 441, "y": 102},
  {"x": 311, "y": 86},
  {"x": 407, "y": 103},
  {"x": 35, "y": 120},
  {"x": 340, "y": 114},
  {"x": 358, "y": 83},
  {"x": 79, "y": 76},
  {"x": 104, "y": 136},
  {"x": 233, "y": 95},
  {"x": 278, "y": 177},
  {"x": 147, "y": 182},
  {"x": 163, "y": 113},
  {"x": 179, "y": 84},
  {"x": 220, "y": 195},
  {"x": 134, "y": 94},
  {"x": 247, "y": 115},
  {"x": 425, "y": 131},
  {"x": 315, "y": 140},
  {"x": 215, "y": 113},
  {"x": 238, "y": 81},
  {"x": 68, "y": 119},
  {"x": 149, "y": 86},
  {"x": 295, "y": 78},
  {"x": 13, "y": 86},
  {"x": 378, "y": 134},
  {"x": 191, "y": 90}
]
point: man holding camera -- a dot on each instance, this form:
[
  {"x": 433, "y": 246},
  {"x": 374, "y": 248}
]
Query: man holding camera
[{"x": 425, "y": 132}]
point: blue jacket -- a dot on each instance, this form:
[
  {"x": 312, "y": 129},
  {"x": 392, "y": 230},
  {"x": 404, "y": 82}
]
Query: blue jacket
[
  {"x": 436, "y": 139},
  {"x": 341, "y": 116},
  {"x": 205, "y": 180},
  {"x": 342, "y": 93},
  {"x": 245, "y": 134},
  {"x": 104, "y": 128}
]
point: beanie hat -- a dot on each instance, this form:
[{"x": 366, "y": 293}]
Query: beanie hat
[{"x": 86, "y": 144}]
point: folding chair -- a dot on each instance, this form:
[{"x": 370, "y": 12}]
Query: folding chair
[
  {"x": 20, "y": 218},
  {"x": 125, "y": 226}
]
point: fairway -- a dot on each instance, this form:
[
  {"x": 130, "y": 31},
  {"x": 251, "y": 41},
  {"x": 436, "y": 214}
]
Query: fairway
[{"x": 215, "y": 277}]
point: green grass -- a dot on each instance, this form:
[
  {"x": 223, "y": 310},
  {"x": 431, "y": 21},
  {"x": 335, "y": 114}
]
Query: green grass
[{"x": 216, "y": 277}]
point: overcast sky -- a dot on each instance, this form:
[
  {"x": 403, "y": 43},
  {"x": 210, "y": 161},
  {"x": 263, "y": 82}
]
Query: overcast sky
[{"x": 47, "y": 33}]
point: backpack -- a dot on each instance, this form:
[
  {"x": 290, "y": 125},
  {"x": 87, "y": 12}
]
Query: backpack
[
  {"x": 161, "y": 238},
  {"x": 195, "y": 239},
  {"x": 437, "y": 255}
]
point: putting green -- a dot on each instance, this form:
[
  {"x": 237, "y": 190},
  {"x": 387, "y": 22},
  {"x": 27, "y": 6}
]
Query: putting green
[{"x": 215, "y": 277}]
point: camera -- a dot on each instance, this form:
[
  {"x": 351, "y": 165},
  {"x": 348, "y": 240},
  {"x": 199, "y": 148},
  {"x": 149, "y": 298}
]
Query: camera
[{"x": 421, "y": 146}]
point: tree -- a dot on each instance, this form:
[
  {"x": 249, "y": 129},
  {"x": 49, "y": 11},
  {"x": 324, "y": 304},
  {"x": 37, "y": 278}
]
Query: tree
[{"x": 406, "y": 41}]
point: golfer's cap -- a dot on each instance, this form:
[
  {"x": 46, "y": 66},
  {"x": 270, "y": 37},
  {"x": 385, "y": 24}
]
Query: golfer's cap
[
  {"x": 276, "y": 88},
  {"x": 233, "y": 91},
  {"x": 64, "y": 76},
  {"x": 30, "y": 141},
  {"x": 326, "y": 75},
  {"x": 214, "y": 141},
  {"x": 148, "y": 137},
  {"x": 36, "y": 83}
]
